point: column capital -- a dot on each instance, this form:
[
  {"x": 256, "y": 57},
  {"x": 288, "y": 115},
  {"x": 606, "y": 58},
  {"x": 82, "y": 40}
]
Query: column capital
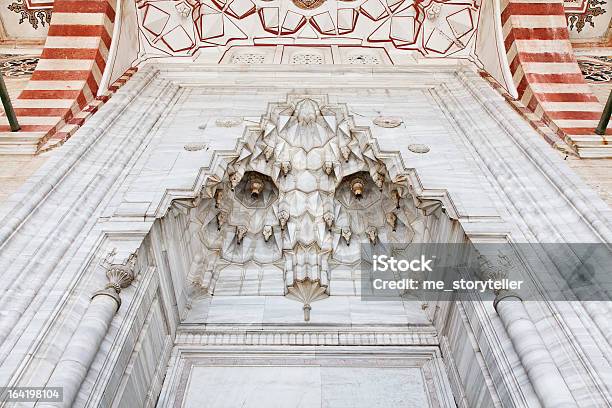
[{"x": 120, "y": 276}]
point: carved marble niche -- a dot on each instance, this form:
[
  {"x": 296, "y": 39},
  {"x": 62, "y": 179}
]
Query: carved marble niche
[{"x": 298, "y": 199}]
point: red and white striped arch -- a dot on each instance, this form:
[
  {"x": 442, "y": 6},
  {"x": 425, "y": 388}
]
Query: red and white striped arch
[
  {"x": 68, "y": 74},
  {"x": 546, "y": 74},
  {"x": 537, "y": 45}
]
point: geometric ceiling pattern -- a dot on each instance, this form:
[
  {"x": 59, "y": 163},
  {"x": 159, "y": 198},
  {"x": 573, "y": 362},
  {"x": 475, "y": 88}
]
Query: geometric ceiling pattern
[{"x": 433, "y": 28}]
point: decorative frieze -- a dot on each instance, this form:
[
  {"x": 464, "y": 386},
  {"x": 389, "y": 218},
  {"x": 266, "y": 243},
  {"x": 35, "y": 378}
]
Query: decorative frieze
[{"x": 308, "y": 337}]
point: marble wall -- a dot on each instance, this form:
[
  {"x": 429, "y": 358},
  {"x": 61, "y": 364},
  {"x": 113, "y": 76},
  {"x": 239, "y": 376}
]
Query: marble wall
[{"x": 157, "y": 141}]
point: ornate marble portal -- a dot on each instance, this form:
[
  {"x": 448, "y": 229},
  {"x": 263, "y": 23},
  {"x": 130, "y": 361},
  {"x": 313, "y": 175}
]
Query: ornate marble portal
[{"x": 233, "y": 200}]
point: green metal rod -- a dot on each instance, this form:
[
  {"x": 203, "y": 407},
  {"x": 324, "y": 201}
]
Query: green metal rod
[
  {"x": 605, "y": 117},
  {"x": 8, "y": 106}
]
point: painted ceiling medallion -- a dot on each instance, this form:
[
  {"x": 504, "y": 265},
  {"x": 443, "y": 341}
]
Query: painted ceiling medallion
[{"x": 308, "y": 4}]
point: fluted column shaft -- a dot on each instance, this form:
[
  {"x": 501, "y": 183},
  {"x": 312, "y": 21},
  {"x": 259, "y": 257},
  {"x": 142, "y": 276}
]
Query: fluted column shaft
[{"x": 551, "y": 389}]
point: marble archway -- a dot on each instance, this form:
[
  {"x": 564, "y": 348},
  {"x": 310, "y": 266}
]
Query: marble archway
[{"x": 275, "y": 240}]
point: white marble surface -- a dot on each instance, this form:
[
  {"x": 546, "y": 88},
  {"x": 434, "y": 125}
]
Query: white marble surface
[
  {"x": 305, "y": 387},
  {"x": 340, "y": 310},
  {"x": 110, "y": 182},
  {"x": 306, "y": 376}
]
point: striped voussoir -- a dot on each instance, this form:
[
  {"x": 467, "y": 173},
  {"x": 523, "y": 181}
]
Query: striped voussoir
[
  {"x": 538, "y": 125},
  {"x": 73, "y": 124},
  {"x": 68, "y": 73},
  {"x": 546, "y": 74}
]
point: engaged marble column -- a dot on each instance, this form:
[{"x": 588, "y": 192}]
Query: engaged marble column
[
  {"x": 551, "y": 389},
  {"x": 71, "y": 370}
]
